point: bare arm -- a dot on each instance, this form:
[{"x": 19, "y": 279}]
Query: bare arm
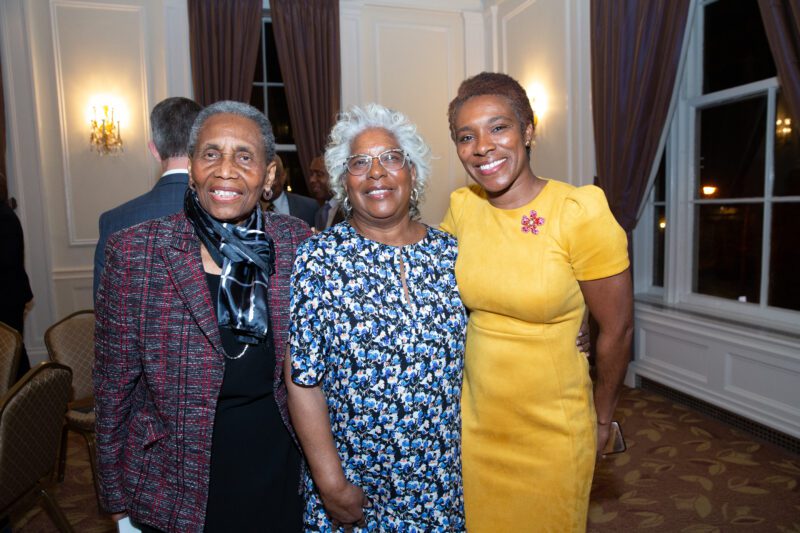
[
  {"x": 610, "y": 300},
  {"x": 343, "y": 501}
]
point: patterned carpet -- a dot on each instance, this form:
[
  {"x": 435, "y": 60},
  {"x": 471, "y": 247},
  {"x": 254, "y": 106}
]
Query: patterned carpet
[
  {"x": 686, "y": 472},
  {"x": 683, "y": 472}
]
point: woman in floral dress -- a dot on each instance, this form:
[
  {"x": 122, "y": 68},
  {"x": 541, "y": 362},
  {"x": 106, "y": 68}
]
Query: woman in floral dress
[{"x": 377, "y": 341}]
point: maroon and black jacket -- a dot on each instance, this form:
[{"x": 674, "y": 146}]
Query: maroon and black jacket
[{"x": 159, "y": 365}]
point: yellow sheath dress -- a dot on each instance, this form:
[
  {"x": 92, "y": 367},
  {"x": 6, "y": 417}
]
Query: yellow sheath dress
[{"x": 528, "y": 418}]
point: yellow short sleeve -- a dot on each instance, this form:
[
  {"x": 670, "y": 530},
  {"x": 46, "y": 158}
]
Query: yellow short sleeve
[
  {"x": 451, "y": 220},
  {"x": 596, "y": 243}
]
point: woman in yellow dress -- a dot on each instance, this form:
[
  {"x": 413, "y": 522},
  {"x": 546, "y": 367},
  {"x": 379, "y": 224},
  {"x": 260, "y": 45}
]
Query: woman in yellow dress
[{"x": 533, "y": 253}]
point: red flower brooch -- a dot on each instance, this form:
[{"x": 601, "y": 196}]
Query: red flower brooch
[{"x": 531, "y": 223}]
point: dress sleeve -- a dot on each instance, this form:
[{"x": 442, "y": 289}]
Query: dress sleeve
[
  {"x": 451, "y": 220},
  {"x": 307, "y": 331},
  {"x": 596, "y": 243}
]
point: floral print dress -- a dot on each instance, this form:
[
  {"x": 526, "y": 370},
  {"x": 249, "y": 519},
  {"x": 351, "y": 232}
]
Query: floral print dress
[{"x": 389, "y": 362}]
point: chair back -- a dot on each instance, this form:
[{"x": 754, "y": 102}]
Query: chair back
[
  {"x": 10, "y": 350},
  {"x": 70, "y": 341},
  {"x": 31, "y": 418}
]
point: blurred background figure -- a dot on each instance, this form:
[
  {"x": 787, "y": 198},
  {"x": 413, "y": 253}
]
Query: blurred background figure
[
  {"x": 288, "y": 203},
  {"x": 170, "y": 123},
  {"x": 16, "y": 289},
  {"x": 319, "y": 186}
]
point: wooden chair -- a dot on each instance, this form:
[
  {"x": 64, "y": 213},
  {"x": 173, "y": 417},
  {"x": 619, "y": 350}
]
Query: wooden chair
[
  {"x": 10, "y": 351},
  {"x": 31, "y": 418},
  {"x": 70, "y": 342}
]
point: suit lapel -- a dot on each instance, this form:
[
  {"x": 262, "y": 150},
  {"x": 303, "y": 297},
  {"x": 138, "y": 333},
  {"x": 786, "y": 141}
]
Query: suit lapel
[{"x": 185, "y": 267}]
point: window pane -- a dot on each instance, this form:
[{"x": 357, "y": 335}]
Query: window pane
[
  {"x": 273, "y": 67},
  {"x": 291, "y": 162},
  {"x": 728, "y": 250},
  {"x": 259, "y": 75},
  {"x": 787, "y": 152},
  {"x": 784, "y": 290},
  {"x": 257, "y": 97},
  {"x": 732, "y": 138},
  {"x": 735, "y": 48},
  {"x": 659, "y": 231},
  {"x": 661, "y": 180},
  {"x": 279, "y": 115}
]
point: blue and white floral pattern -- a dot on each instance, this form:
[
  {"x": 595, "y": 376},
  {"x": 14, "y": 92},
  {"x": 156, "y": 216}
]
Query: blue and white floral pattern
[{"x": 390, "y": 370}]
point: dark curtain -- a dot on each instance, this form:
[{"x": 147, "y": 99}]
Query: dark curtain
[
  {"x": 307, "y": 40},
  {"x": 636, "y": 47},
  {"x": 223, "y": 39},
  {"x": 782, "y": 25}
]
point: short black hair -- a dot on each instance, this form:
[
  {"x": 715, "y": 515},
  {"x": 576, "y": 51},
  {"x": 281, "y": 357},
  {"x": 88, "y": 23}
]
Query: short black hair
[
  {"x": 492, "y": 84},
  {"x": 170, "y": 124}
]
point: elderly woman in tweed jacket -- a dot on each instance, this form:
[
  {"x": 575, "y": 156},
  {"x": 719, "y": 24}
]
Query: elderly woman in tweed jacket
[{"x": 192, "y": 426}]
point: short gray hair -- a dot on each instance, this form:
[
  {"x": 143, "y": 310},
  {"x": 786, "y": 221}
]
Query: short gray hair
[
  {"x": 358, "y": 119},
  {"x": 229, "y": 107}
]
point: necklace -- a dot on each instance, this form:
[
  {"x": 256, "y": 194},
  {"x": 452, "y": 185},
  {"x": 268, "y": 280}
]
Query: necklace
[{"x": 246, "y": 346}]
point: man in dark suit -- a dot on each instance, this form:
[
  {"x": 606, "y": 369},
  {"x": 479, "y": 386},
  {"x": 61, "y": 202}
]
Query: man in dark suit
[
  {"x": 288, "y": 203},
  {"x": 329, "y": 212},
  {"x": 170, "y": 123}
]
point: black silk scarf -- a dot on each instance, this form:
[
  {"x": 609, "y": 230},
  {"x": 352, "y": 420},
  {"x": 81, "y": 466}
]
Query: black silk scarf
[{"x": 247, "y": 257}]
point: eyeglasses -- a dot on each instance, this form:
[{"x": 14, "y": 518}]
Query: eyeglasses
[{"x": 359, "y": 164}]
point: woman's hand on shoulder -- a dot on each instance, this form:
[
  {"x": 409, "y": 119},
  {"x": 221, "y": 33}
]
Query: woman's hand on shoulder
[{"x": 345, "y": 506}]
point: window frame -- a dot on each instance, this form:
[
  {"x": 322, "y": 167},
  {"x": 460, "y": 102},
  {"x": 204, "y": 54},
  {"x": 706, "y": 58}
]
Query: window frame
[
  {"x": 681, "y": 175},
  {"x": 266, "y": 84}
]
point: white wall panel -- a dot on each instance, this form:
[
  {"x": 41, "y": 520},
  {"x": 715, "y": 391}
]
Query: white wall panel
[
  {"x": 546, "y": 42},
  {"x": 413, "y": 60},
  {"x": 57, "y": 55},
  {"x": 749, "y": 371},
  {"x": 115, "y": 35}
]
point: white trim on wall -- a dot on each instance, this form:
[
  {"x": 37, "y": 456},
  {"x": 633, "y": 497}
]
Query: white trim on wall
[
  {"x": 504, "y": 25},
  {"x": 25, "y": 169},
  {"x": 55, "y": 5}
]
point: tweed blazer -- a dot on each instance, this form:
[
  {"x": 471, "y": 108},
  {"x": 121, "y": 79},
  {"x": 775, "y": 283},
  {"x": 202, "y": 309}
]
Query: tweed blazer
[{"x": 159, "y": 364}]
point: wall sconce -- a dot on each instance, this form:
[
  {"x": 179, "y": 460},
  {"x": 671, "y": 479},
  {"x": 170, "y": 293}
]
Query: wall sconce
[
  {"x": 538, "y": 98},
  {"x": 105, "y": 135}
]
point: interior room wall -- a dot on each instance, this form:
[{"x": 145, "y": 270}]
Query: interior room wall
[
  {"x": 545, "y": 44},
  {"x": 58, "y": 57},
  {"x": 58, "y": 54}
]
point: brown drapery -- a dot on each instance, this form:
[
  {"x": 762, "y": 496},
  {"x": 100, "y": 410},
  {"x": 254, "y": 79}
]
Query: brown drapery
[
  {"x": 223, "y": 39},
  {"x": 307, "y": 41},
  {"x": 636, "y": 47},
  {"x": 782, "y": 25}
]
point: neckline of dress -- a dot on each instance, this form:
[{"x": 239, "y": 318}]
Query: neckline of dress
[
  {"x": 351, "y": 229},
  {"x": 524, "y": 206}
]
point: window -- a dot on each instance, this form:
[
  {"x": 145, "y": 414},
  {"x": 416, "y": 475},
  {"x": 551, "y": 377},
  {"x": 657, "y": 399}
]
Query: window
[
  {"x": 719, "y": 230},
  {"x": 269, "y": 95}
]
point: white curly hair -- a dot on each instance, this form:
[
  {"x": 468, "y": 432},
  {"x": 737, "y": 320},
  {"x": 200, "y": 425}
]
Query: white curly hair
[{"x": 356, "y": 120}]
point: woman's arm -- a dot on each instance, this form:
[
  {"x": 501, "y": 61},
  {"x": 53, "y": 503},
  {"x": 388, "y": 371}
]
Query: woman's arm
[
  {"x": 610, "y": 300},
  {"x": 117, "y": 369},
  {"x": 309, "y": 412}
]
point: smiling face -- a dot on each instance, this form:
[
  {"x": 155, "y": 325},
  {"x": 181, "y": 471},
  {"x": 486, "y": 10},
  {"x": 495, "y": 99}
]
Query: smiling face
[
  {"x": 228, "y": 168},
  {"x": 491, "y": 145},
  {"x": 379, "y": 197}
]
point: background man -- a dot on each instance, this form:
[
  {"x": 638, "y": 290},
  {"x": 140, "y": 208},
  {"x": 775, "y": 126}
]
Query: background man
[
  {"x": 289, "y": 203},
  {"x": 318, "y": 184},
  {"x": 170, "y": 123}
]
